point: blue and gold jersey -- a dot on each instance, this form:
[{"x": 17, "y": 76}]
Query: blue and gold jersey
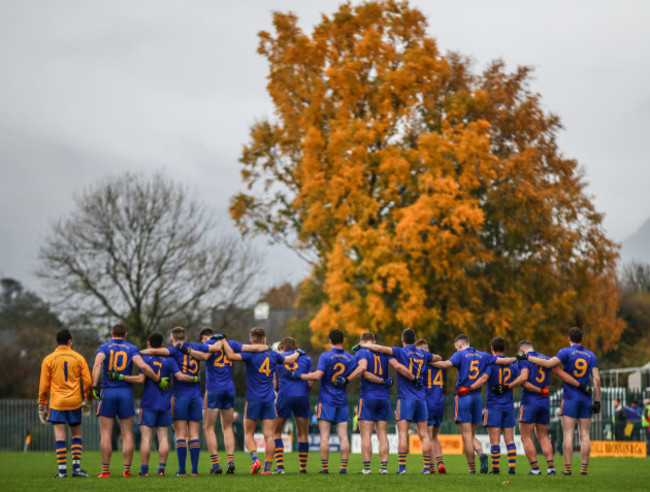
[
  {"x": 187, "y": 365},
  {"x": 377, "y": 365},
  {"x": 500, "y": 375},
  {"x": 218, "y": 369},
  {"x": 434, "y": 383},
  {"x": 471, "y": 364},
  {"x": 260, "y": 367},
  {"x": 153, "y": 398},
  {"x": 577, "y": 362},
  {"x": 119, "y": 357},
  {"x": 538, "y": 377},
  {"x": 334, "y": 363},
  {"x": 288, "y": 388},
  {"x": 415, "y": 360}
]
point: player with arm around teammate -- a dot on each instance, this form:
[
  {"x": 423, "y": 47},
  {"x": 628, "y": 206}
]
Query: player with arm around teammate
[
  {"x": 335, "y": 369},
  {"x": 577, "y": 405},
  {"x": 114, "y": 359},
  {"x": 65, "y": 387}
]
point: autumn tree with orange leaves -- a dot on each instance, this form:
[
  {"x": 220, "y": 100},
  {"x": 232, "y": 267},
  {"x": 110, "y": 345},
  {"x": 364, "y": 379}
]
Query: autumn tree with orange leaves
[{"x": 431, "y": 197}]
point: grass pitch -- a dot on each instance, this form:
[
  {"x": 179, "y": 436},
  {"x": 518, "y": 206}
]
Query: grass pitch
[{"x": 35, "y": 471}]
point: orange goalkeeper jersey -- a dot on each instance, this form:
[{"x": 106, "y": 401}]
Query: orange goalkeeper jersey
[{"x": 64, "y": 376}]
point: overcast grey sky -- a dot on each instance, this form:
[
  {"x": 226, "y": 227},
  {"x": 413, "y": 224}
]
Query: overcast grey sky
[{"x": 90, "y": 89}]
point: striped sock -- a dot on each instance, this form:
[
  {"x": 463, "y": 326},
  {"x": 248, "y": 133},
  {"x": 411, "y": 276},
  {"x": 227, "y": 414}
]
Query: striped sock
[
  {"x": 534, "y": 465},
  {"x": 583, "y": 470},
  {"x": 512, "y": 456},
  {"x": 472, "y": 467},
  {"x": 383, "y": 465},
  {"x": 106, "y": 468},
  {"x": 195, "y": 450},
  {"x": 550, "y": 465},
  {"x": 181, "y": 454},
  {"x": 61, "y": 457},
  {"x": 253, "y": 455},
  {"x": 144, "y": 470},
  {"x": 303, "y": 453},
  {"x": 161, "y": 468},
  {"x": 439, "y": 461},
  {"x": 230, "y": 458},
  {"x": 344, "y": 465},
  {"x": 401, "y": 461},
  {"x": 427, "y": 461},
  {"x": 76, "y": 446},
  {"x": 366, "y": 465},
  {"x": 495, "y": 452},
  {"x": 279, "y": 453},
  {"x": 127, "y": 468},
  {"x": 214, "y": 459},
  {"x": 268, "y": 463},
  {"x": 324, "y": 465},
  {"x": 567, "y": 468},
  {"x": 479, "y": 452}
]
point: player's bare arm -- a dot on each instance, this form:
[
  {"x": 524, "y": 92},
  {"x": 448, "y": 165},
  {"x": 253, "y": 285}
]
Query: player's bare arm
[
  {"x": 230, "y": 353},
  {"x": 312, "y": 376},
  {"x": 97, "y": 368},
  {"x": 356, "y": 373},
  {"x": 595, "y": 382},
  {"x": 401, "y": 368},
  {"x": 377, "y": 348},
  {"x": 291, "y": 358},
  {"x": 479, "y": 382},
  {"x": 519, "y": 380},
  {"x": 547, "y": 363},
  {"x": 186, "y": 378},
  {"x": 565, "y": 376},
  {"x": 144, "y": 367},
  {"x": 162, "y": 351},
  {"x": 442, "y": 364},
  {"x": 436, "y": 358},
  {"x": 505, "y": 361}
]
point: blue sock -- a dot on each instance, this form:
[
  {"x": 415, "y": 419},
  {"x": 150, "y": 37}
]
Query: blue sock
[
  {"x": 161, "y": 468},
  {"x": 253, "y": 455},
  {"x": 195, "y": 449},
  {"x": 181, "y": 454},
  {"x": 144, "y": 469}
]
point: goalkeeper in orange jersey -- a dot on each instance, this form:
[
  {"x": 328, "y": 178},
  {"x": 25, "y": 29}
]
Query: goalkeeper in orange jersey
[{"x": 65, "y": 389}]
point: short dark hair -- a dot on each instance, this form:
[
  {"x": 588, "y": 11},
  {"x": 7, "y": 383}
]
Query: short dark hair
[
  {"x": 367, "y": 336},
  {"x": 408, "y": 336},
  {"x": 288, "y": 343},
  {"x": 498, "y": 344},
  {"x": 462, "y": 338},
  {"x": 206, "y": 332},
  {"x": 156, "y": 340},
  {"x": 575, "y": 334},
  {"x": 119, "y": 330},
  {"x": 524, "y": 343},
  {"x": 63, "y": 336},
  {"x": 335, "y": 336},
  {"x": 257, "y": 334}
]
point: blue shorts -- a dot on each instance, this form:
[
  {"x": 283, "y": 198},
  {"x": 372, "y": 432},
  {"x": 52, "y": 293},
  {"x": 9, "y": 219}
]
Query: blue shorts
[
  {"x": 332, "y": 414},
  {"x": 576, "y": 409},
  {"x": 413, "y": 410},
  {"x": 468, "y": 408},
  {"x": 152, "y": 418},
  {"x": 374, "y": 409},
  {"x": 260, "y": 410},
  {"x": 186, "y": 408},
  {"x": 298, "y": 405},
  {"x": 116, "y": 402},
  {"x": 70, "y": 417},
  {"x": 534, "y": 414},
  {"x": 499, "y": 418},
  {"x": 222, "y": 400}
]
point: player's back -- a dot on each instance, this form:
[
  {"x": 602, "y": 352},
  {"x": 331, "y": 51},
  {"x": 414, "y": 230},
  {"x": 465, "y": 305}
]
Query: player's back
[
  {"x": 119, "y": 357},
  {"x": 434, "y": 387},
  {"x": 500, "y": 375},
  {"x": 218, "y": 368},
  {"x": 260, "y": 367},
  {"x": 415, "y": 360},
  {"x": 578, "y": 362},
  {"x": 154, "y": 398},
  {"x": 538, "y": 377},
  {"x": 66, "y": 370},
  {"x": 470, "y": 364},
  {"x": 288, "y": 388},
  {"x": 377, "y": 364},
  {"x": 334, "y": 363},
  {"x": 187, "y": 365}
]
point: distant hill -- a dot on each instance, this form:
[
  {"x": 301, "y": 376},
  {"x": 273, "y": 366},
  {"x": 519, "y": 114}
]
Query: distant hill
[{"x": 637, "y": 246}]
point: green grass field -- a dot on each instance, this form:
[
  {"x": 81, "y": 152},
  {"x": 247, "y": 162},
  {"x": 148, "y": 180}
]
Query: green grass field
[{"x": 35, "y": 470}]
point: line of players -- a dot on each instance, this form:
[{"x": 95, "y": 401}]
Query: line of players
[{"x": 420, "y": 377}]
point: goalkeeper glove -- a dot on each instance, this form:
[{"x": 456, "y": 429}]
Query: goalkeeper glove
[
  {"x": 340, "y": 382},
  {"x": 356, "y": 348},
  {"x": 521, "y": 356},
  {"x": 293, "y": 375},
  {"x": 301, "y": 352},
  {"x": 86, "y": 407},
  {"x": 388, "y": 382},
  {"x": 96, "y": 392},
  {"x": 184, "y": 348},
  {"x": 163, "y": 384},
  {"x": 197, "y": 378},
  {"x": 463, "y": 391},
  {"x": 217, "y": 337},
  {"x": 585, "y": 388},
  {"x": 544, "y": 392},
  {"x": 595, "y": 407},
  {"x": 500, "y": 389},
  {"x": 113, "y": 375},
  {"x": 418, "y": 382},
  {"x": 42, "y": 415}
]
